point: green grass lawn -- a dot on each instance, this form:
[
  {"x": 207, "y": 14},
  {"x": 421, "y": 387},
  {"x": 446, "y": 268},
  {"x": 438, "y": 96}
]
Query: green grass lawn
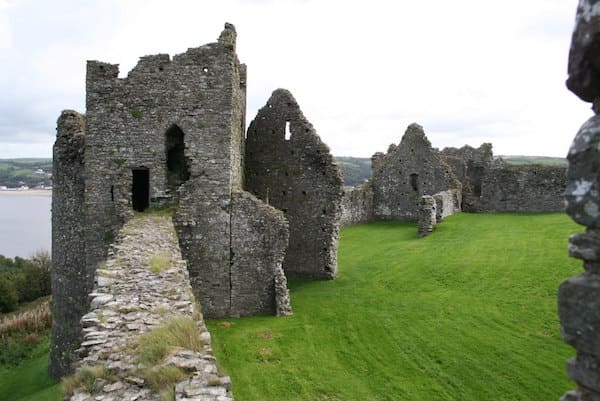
[
  {"x": 29, "y": 381},
  {"x": 468, "y": 313}
]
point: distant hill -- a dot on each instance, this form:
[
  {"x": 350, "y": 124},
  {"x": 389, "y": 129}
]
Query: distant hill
[
  {"x": 37, "y": 171},
  {"x": 543, "y": 160},
  {"x": 18, "y": 172},
  {"x": 356, "y": 170},
  {"x": 30, "y": 172}
]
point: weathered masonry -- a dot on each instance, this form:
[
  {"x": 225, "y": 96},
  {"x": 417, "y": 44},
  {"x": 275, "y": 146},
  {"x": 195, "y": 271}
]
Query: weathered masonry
[
  {"x": 406, "y": 173},
  {"x": 144, "y": 286},
  {"x": 466, "y": 179},
  {"x": 171, "y": 134},
  {"x": 579, "y": 297},
  {"x": 289, "y": 167}
]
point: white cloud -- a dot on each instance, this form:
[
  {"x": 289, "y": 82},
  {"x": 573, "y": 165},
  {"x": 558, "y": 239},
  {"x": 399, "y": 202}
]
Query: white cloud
[{"x": 468, "y": 71}]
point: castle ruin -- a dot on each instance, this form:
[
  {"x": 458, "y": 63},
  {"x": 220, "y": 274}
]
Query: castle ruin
[
  {"x": 250, "y": 211},
  {"x": 172, "y": 134},
  {"x": 466, "y": 179}
]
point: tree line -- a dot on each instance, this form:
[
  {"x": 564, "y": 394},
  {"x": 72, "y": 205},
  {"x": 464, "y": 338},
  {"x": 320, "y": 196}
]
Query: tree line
[{"x": 24, "y": 280}]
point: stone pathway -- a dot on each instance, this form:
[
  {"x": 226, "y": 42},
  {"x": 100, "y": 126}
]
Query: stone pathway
[{"x": 129, "y": 299}]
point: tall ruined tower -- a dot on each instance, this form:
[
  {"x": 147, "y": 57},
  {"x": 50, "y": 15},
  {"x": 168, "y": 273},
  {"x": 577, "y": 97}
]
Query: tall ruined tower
[{"x": 171, "y": 133}]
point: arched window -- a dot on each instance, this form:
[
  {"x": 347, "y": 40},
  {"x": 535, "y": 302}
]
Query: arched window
[{"x": 177, "y": 164}]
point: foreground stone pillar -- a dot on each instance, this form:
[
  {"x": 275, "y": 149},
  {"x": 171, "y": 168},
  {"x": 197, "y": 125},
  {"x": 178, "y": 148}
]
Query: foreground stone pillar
[
  {"x": 426, "y": 215},
  {"x": 579, "y": 297}
]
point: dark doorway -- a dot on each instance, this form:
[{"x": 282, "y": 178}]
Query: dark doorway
[
  {"x": 140, "y": 189},
  {"x": 477, "y": 178},
  {"x": 177, "y": 165}
]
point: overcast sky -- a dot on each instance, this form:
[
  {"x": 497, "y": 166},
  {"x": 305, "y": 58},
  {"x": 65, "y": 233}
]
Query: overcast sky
[{"x": 468, "y": 71}]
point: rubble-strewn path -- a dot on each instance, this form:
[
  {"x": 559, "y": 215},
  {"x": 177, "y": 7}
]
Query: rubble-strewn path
[{"x": 132, "y": 298}]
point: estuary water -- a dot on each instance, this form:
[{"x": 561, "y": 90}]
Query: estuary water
[{"x": 25, "y": 223}]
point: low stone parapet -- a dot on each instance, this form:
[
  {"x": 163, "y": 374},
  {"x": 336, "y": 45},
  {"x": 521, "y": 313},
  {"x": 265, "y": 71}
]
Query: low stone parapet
[{"x": 143, "y": 298}]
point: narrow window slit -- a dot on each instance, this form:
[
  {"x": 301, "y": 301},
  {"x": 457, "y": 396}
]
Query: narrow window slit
[{"x": 288, "y": 133}]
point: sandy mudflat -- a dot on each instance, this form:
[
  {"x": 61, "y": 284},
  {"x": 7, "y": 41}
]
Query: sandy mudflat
[{"x": 29, "y": 192}]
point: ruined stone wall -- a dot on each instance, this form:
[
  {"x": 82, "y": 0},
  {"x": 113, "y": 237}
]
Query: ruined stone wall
[
  {"x": 578, "y": 297},
  {"x": 523, "y": 189},
  {"x": 144, "y": 285},
  {"x": 258, "y": 243},
  {"x": 406, "y": 173},
  {"x": 357, "y": 205},
  {"x": 469, "y": 166},
  {"x": 447, "y": 203},
  {"x": 295, "y": 173},
  {"x": 71, "y": 281}
]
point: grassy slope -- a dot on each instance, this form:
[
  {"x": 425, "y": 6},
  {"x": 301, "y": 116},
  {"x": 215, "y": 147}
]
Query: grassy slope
[
  {"x": 468, "y": 313},
  {"x": 29, "y": 381}
]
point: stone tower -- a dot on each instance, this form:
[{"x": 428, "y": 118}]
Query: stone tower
[{"x": 169, "y": 134}]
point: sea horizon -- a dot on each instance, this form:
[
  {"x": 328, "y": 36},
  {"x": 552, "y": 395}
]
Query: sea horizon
[{"x": 25, "y": 222}]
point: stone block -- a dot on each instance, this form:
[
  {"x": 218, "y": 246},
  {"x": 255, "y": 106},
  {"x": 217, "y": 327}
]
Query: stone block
[
  {"x": 585, "y": 370},
  {"x": 584, "y": 55},
  {"x": 579, "y": 311},
  {"x": 583, "y": 175},
  {"x": 585, "y": 246}
]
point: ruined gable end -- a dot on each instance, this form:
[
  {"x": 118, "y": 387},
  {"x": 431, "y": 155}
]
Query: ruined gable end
[
  {"x": 288, "y": 166},
  {"x": 407, "y": 172}
]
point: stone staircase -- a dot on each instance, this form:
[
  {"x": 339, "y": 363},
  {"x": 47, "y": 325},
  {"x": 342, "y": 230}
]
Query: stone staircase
[{"x": 143, "y": 285}]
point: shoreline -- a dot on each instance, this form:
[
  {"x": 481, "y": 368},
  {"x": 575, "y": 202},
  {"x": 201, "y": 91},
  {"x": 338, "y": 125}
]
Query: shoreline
[{"x": 30, "y": 192}]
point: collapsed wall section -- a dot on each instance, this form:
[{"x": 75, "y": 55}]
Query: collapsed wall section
[
  {"x": 259, "y": 239},
  {"x": 357, "y": 205},
  {"x": 469, "y": 165},
  {"x": 71, "y": 280},
  {"x": 406, "y": 173},
  {"x": 523, "y": 189},
  {"x": 447, "y": 203},
  {"x": 289, "y": 167}
]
